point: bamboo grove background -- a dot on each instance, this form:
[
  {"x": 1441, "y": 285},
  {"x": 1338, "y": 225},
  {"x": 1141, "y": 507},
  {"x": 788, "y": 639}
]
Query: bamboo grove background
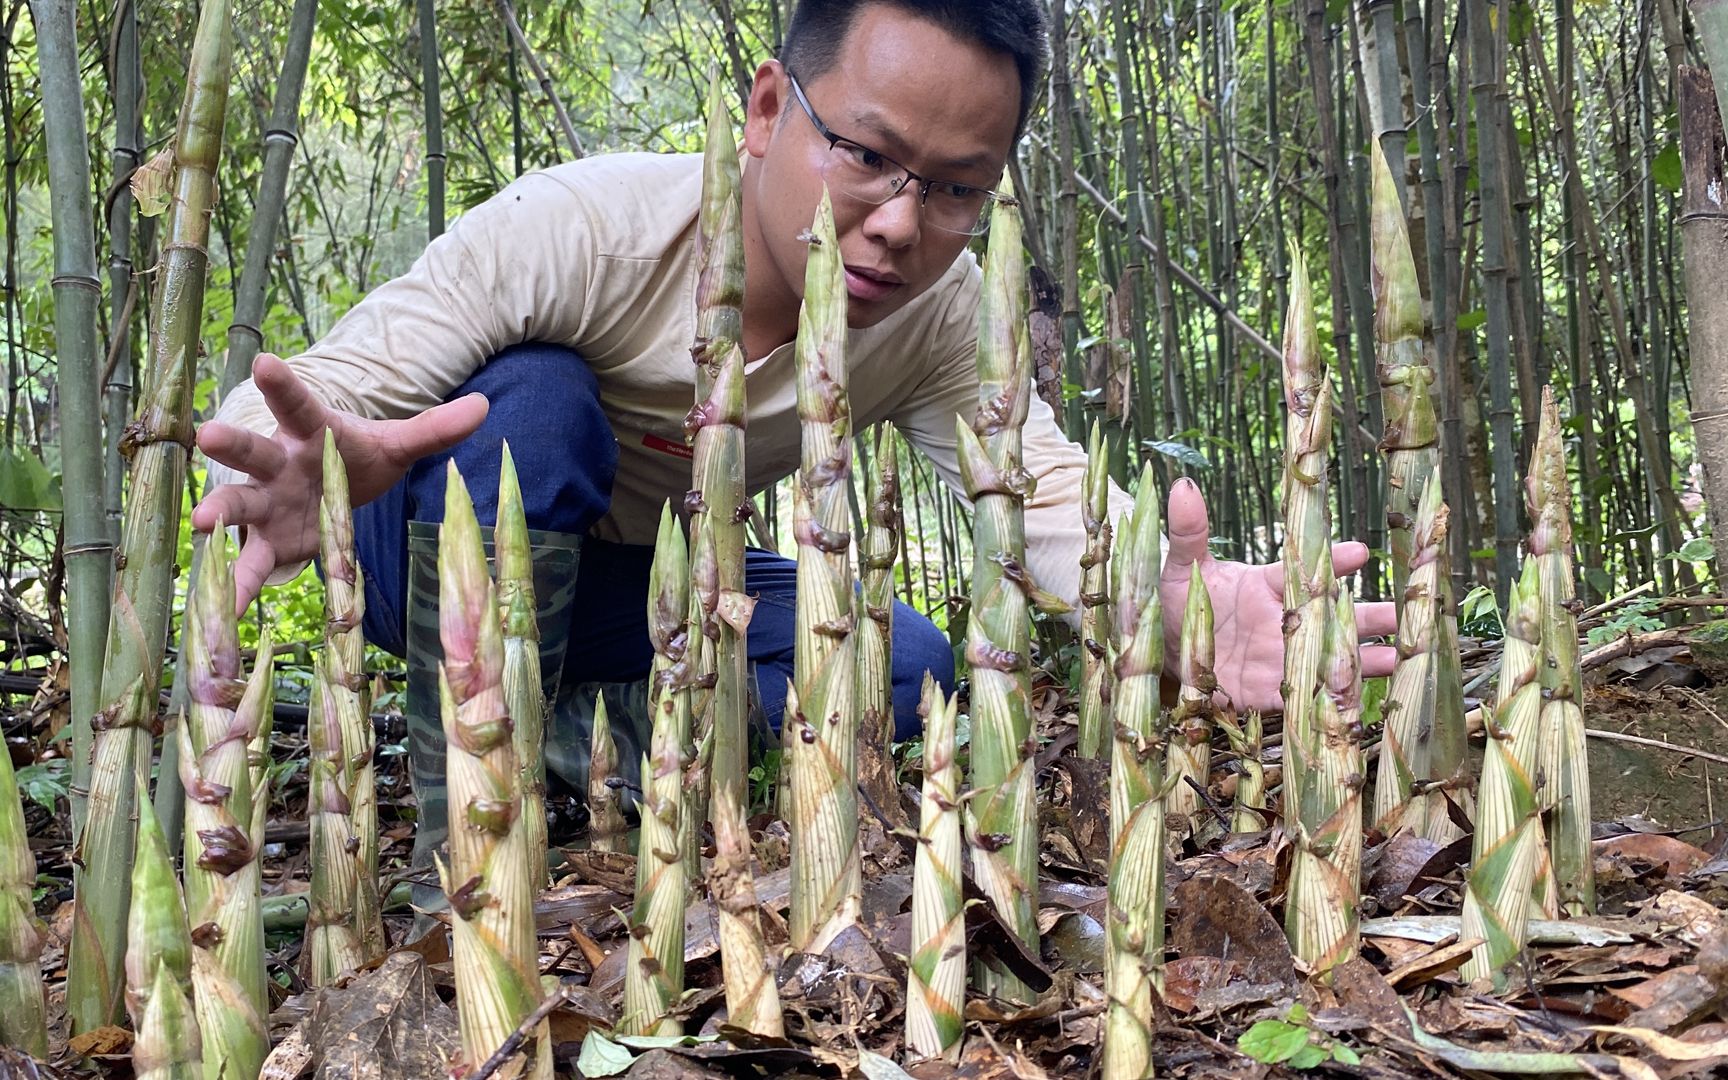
[{"x": 1178, "y": 149}]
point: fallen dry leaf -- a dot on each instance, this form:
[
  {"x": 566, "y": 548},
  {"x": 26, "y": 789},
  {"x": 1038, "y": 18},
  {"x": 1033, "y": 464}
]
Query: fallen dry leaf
[
  {"x": 1217, "y": 917},
  {"x": 1676, "y": 857},
  {"x": 100, "y": 1042},
  {"x": 1670, "y": 1048},
  {"x": 1433, "y": 964}
]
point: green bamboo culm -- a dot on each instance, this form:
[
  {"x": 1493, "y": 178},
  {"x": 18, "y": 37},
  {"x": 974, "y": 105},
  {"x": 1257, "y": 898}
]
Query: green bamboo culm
[
  {"x": 167, "y": 1044},
  {"x": 822, "y": 711},
  {"x": 23, "y": 1009},
  {"x": 998, "y": 631},
  {"x": 157, "y": 444},
  {"x": 1189, "y": 757},
  {"x": 715, "y": 427},
  {"x": 1095, "y": 599},
  {"x": 654, "y": 966},
  {"x": 489, "y": 878},
  {"x": 1564, "y": 764},
  {"x": 1423, "y": 758},
  {"x": 1134, "y": 939},
  {"x": 223, "y": 882},
  {"x": 1321, "y": 915},
  {"x": 606, "y": 828},
  {"x": 1509, "y": 867},
  {"x": 936, "y": 969},
  {"x": 522, "y": 693},
  {"x": 345, "y": 927}
]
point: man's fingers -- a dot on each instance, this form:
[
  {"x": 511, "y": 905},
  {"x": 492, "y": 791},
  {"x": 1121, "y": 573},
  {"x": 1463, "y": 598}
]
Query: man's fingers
[
  {"x": 1378, "y": 661},
  {"x": 232, "y": 504},
  {"x": 438, "y": 428},
  {"x": 1187, "y": 526},
  {"x": 256, "y": 563},
  {"x": 241, "y": 450},
  {"x": 297, "y": 412},
  {"x": 1348, "y": 557},
  {"x": 1377, "y": 619}
]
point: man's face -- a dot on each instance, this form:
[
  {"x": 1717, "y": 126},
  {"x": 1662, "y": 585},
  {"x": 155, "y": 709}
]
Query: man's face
[{"x": 903, "y": 87}]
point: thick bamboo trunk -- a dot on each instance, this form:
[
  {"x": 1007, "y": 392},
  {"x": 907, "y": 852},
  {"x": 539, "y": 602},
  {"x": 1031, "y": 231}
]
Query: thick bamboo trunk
[
  {"x": 158, "y": 443},
  {"x": 1704, "y": 229}
]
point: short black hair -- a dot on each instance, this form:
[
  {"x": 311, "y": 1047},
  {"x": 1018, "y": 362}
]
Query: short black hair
[{"x": 1017, "y": 28}]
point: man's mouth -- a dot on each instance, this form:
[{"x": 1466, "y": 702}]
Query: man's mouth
[{"x": 863, "y": 283}]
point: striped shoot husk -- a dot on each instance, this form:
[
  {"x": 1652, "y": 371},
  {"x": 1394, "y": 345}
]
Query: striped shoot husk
[
  {"x": 746, "y": 964},
  {"x": 522, "y": 691},
  {"x": 1509, "y": 869},
  {"x": 257, "y": 713},
  {"x": 1095, "y": 599},
  {"x": 166, "y": 1043},
  {"x": 344, "y": 929},
  {"x": 1307, "y": 550},
  {"x": 1251, "y": 813},
  {"x": 157, "y": 443},
  {"x": 1564, "y": 764},
  {"x": 223, "y": 880},
  {"x": 998, "y": 629},
  {"x": 1134, "y": 937},
  {"x": 826, "y": 882},
  {"x": 489, "y": 879},
  {"x": 936, "y": 968},
  {"x": 654, "y": 966},
  {"x": 1189, "y": 757},
  {"x": 23, "y": 1009},
  {"x": 699, "y": 735},
  {"x": 1424, "y": 705},
  {"x": 1321, "y": 908},
  {"x": 606, "y": 828},
  {"x": 715, "y": 427},
  {"x": 876, "y": 628}
]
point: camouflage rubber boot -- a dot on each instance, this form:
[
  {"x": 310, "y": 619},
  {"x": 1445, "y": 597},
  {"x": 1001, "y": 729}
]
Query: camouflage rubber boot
[{"x": 556, "y": 556}]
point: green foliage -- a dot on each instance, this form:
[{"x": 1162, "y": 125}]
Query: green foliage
[
  {"x": 1292, "y": 1042},
  {"x": 26, "y": 483},
  {"x": 1636, "y": 617},
  {"x": 45, "y": 783}
]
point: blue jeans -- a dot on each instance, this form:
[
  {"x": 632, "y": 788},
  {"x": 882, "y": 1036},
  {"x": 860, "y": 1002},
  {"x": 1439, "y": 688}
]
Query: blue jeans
[{"x": 545, "y": 401}]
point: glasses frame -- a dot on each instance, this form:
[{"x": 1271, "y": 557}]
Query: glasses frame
[{"x": 991, "y": 198}]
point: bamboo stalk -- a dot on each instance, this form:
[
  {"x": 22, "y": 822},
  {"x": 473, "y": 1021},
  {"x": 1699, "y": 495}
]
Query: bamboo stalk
[
  {"x": 936, "y": 968},
  {"x": 998, "y": 645},
  {"x": 823, "y": 713},
  {"x": 1424, "y": 705},
  {"x": 876, "y": 629},
  {"x": 345, "y": 929},
  {"x": 1189, "y": 756},
  {"x": 1095, "y": 599},
  {"x": 1134, "y": 941},
  {"x": 88, "y": 549},
  {"x": 1564, "y": 763},
  {"x": 698, "y": 736},
  {"x": 23, "y": 1009},
  {"x": 166, "y": 1044},
  {"x": 606, "y": 829},
  {"x": 257, "y": 712},
  {"x": 716, "y": 429},
  {"x": 523, "y": 697},
  {"x": 1509, "y": 855},
  {"x": 223, "y": 881},
  {"x": 489, "y": 877},
  {"x": 654, "y": 967},
  {"x": 747, "y": 965},
  {"x": 1321, "y": 909},
  {"x": 157, "y": 443}
]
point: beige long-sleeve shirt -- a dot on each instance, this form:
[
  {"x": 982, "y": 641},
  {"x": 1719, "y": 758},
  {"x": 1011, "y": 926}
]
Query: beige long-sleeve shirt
[{"x": 600, "y": 255}]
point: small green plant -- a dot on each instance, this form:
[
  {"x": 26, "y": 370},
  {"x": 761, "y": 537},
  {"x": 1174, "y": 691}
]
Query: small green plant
[
  {"x": 1635, "y": 618},
  {"x": 1292, "y": 1042},
  {"x": 1479, "y": 614},
  {"x": 45, "y": 783}
]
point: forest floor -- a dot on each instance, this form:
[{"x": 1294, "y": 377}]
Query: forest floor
[{"x": 1640, "y": 990}]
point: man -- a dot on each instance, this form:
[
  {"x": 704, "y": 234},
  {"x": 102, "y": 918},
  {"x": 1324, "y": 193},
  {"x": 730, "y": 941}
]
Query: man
[{"x": 567, "y": 303}]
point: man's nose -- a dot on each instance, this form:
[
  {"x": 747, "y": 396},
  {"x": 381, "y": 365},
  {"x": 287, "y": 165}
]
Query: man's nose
[{"x": 896, "y": 222}]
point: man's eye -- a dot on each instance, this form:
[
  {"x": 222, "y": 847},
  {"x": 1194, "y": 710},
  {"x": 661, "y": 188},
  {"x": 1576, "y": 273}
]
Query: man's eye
[
  {"x": 956, "y": 192},
  {"x": 862, "y": 156}
]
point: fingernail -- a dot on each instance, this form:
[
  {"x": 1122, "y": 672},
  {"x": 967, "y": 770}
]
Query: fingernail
[{"x": 1187, "y": 481}]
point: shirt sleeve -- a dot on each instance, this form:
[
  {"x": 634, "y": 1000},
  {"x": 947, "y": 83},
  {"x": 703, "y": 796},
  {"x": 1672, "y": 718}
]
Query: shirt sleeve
[
  {"x": 513, "y": 268},
  {"x": 1055, "y": 539}
]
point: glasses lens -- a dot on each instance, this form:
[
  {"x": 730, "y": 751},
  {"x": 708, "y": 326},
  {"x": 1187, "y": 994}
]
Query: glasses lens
[
  {"x": 862, "y": 173},
  {"x": 958, "y": 208}
]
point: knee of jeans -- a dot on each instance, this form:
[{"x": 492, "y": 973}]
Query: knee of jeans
[
  {"x": 544, "y": 401},
  {"x": 919, "y": 646}
]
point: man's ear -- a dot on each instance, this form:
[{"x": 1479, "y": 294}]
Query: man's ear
[{"x": 762, "y": 111}]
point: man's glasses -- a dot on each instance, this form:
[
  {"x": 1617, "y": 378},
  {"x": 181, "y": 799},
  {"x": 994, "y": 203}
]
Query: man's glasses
[{"x": 863, "y": 174}]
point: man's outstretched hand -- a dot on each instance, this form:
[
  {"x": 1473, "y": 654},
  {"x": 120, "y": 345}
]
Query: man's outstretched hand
[
  {"x": 276, "y": 506},
  {"x": 1248, "y": 606}
]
